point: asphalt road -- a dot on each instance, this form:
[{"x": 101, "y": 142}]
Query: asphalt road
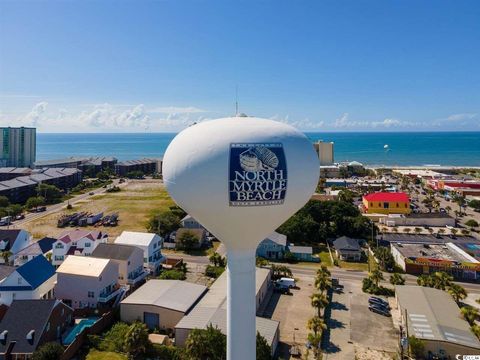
[{"x": 341, "y": 274}]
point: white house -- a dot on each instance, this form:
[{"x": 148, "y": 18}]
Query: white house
[
  {"x": 77, "y": 242},
  {"x": 150, "y": 243},
  {"x": 87, "y": 281},
  {"x": 33, "y": 280},
  {"x": 14, "y": 240}
]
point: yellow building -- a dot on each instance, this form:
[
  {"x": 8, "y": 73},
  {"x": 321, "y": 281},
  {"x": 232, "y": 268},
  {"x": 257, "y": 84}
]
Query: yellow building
[{"x": 386, "y": 203}]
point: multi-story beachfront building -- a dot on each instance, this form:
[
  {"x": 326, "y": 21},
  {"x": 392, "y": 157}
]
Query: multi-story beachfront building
[
  {"x": 325, "y": 152},
  {"x": 17, "y": 147}
]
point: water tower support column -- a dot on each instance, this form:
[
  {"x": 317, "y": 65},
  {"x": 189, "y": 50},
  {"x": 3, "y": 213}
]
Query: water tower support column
[{"x": 241, "y": 309}]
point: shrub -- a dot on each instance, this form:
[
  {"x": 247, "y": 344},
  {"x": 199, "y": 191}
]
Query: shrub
[
  {"x": 172, "y": 275},
  {"x": 214, "y": 271}
]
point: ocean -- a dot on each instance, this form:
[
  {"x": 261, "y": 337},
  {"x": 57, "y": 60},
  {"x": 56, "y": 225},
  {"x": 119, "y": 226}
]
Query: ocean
[{"x": 404, "y": 148}]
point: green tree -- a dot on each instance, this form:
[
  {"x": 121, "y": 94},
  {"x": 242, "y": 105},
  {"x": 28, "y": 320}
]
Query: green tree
[
  {"x": 35, "y": 202},
  {"x": 319, "y": 301},
  {"x": 475, "y": 204},
  {"x": 315, "y": 340},
  {"x": 417, "y": 347},
  {"x": 206, "y": 344},
  {"x": 48, "y": 351},
  {"x": 137, "y": 174},
  {"x": 469, "y": 313},
  {"x": 187, "y": 240},
  {"x": 50, "y": 193},
  {"x": 136, "y": 340},
  {"x": 385, "y": 257},
  {"x": 114, "y": 339},
  {"x": 425, "y": 280},
  {"x": 322, "y": 281},
  {"x": 458, "y": 292},
  {"x": 4, "y": 202},
  {"x": 264, "y": 351},
  {"x": 376, "y": 275},
  {"x": 6, "y": 254},
  {"x": 14, "y": 209},
  {"x": 397, "y": 279},
  {"x": 476, "y": 330},
  {"x": 441, "y": 280},
  {"x": 279, "y": 271},
  {"x": 472, "y": 223},
  {"x": 172, "y": 274},
  {"x": 164, "y": 223},
  {"x": 316, "y": 324}
]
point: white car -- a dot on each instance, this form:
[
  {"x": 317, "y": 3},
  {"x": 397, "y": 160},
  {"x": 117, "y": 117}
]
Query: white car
[{"x": 287, "y": 282}]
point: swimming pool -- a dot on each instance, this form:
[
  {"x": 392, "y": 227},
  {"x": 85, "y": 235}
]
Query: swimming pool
[{"x": 82, "y": 324}]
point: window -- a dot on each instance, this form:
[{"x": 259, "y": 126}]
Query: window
[
  {"x": 91, "y": 294},
  {"x": 59, "y": 246},
  {"x": 397, "y": 205},
  {"x": 19, "y": 281},
  {"x": 385, "y": 205},
  {"x": 87, "y": 244}
]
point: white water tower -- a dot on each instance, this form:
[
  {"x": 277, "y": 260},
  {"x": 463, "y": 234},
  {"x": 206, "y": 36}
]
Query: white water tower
[{"x": 241, "y": 178}]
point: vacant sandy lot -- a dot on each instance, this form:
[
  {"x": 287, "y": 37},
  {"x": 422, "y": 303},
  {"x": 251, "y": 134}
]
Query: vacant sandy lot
[{"x": 137, "y": 201}]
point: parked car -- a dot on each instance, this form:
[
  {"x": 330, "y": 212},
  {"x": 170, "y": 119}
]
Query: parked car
[
  {"x": 379, "y": 310},
  {"x": 41, "y": 209},
  {"x": 289, "y": 282},
  {"x": 373, "y": 300},
  {"x": 91, "y": 193},
  {"x": 20, "y": 217},
  {"x": 282, "y": 289}
]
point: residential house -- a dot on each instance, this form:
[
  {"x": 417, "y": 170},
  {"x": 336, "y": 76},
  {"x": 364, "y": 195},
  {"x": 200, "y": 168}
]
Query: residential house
[
  {"x": 199, "y": 234},
  {"x": 302, "y": 253},
  {"x": 13, "y": 241},
  {"x": 129, "y": 259},
  {"x": 84, "y": 282},
  {"x": 150, "y": 243},
  {"x": 273, "y": 246},
  {"x": 40, "y": 247},
  {"x": 161, "y": 304},
  {"x": 190, "y": 223},
  {"x": 386, "y": 203},
  {"x": 32, "y": 280},
  {"x": 348, "y": 249},
  {"x": 28, "y": 324},
  {"x": 77, "y": 242}
]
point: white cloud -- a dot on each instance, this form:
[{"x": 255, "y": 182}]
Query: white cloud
[
  {"x": 342, "y": 121},
  {"x": 176, "y": 110},
  {"x": 36, "y": 114},
  {"x": 302, "y": 124},
  {"x": 462, "y": 117}
]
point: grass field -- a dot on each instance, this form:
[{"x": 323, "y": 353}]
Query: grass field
[
  {"x": 137, "y": 201},
  {"x": 104, "y": 355}
]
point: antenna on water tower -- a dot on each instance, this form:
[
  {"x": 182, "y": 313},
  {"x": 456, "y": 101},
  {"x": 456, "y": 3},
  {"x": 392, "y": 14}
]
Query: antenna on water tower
[{"x": 236, "y": 100}]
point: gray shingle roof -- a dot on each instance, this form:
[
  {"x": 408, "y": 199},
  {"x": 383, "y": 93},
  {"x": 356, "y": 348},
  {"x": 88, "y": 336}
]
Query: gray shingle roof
[
  {"x": 114, "y": 251},
  {"x": 346, "y": 243}
]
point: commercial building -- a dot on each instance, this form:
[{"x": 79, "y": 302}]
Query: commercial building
[
  {"x": 325, "y": 152},
  {"x": 19, "y": 189},
  {"x": 418, "y": 259},
  {"x": 28, "y": 324},
  {"x": 18, "y": 146},
  {"x": 32, "y": 280},
  {"x": 98, "y": 163},
  {"x": 431, "y": 315},
  {"x": 212, "y": 309},
  {"x": 386, "y": 203},
  {"x": 329, "y": 171},
  {"x": 87, "y": 282},
  {"x": 146, "y": 166},
  {"x": 150, "y": 243},
  {"x": 419, "y": 219},
  {"x": 161, "y": 304},
  {"x": 129, "y": 259}
]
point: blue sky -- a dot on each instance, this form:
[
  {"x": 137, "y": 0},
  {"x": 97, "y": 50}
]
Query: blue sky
[{"x": 161, "y": 65}]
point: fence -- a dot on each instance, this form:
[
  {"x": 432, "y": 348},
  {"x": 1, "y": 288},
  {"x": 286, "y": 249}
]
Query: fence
[{"x": 100, "y": 325}]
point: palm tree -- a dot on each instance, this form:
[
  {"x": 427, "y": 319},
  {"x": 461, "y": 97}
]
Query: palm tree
[
  {"x": 441, "y": 231},
  {"x": 469, "y": 313},
  {"x": 322, "y": 282},
  {"x": 476, "y": 330},
  {"x": 441, "y": 280},
  {"x": 448, "y": 209},
  {"x": 397, "y": 279},
  {"x": 315, "y": 341},
  {"x": 454, "y": 231},
  {"x": 6, "y": 254},
  {"x": 425, "y": 280},
  {"x": 319, "y": 301},
  {"x": 136, "y": 340},
  {"x": 376, "y": 275},
  {"x": 407, "y": 230},
  {"x": 458, "y": 292},
  {"x": 316, "y": 324}
]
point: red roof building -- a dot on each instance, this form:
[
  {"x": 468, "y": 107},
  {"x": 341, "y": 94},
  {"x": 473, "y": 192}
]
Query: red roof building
[{"x": 386, "y": 203}]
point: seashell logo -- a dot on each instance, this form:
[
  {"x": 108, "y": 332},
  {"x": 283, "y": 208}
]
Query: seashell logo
[{"x": 258, "y": 174}]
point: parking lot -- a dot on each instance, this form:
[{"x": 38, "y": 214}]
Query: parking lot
[
  {"x": 293, "y": 312},
  {"x": 354, "y": 330}
]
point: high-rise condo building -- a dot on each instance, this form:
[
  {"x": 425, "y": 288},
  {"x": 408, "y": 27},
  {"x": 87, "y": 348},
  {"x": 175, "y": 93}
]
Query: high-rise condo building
[
  {"x": 17, "y": 146},
  {"x": 325, "y": 152}
]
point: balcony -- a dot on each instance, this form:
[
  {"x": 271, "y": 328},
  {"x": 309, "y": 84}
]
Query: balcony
[
  {"x": 138, "y": 277},
  {"x": 109, "y": 295}
]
